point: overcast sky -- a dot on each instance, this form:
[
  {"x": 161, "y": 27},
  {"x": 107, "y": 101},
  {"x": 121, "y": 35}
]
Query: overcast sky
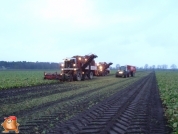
[{"x": 132, "y": 32}]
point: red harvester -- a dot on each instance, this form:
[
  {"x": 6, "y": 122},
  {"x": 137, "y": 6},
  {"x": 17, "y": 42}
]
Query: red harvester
[
  {"x": 103, "y": 68},
  {"x": 76, "y": 68}
]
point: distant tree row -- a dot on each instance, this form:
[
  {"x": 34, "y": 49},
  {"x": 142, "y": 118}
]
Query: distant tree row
[
  {"x": 164, "y": 66},
  {"x": 28, "y": 65}
]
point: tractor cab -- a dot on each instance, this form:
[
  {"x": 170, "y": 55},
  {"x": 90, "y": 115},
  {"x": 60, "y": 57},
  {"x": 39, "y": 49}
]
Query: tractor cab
[{"x": 122, "y": 70}]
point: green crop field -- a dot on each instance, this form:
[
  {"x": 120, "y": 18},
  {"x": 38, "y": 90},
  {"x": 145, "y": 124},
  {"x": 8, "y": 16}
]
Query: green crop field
[
  {"x": 168, "y": 86},
  {"x": 23, "y": 78}
]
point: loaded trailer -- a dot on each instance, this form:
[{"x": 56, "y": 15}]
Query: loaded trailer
[
  {"x": 126, "y": 71},
  {"x": 76, "y": 68}
]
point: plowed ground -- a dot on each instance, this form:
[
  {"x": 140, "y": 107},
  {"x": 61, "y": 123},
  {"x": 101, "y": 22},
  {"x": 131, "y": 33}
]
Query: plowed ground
[{"x": 102, "y": 105}]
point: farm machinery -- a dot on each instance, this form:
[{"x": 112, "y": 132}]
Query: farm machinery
[
  {"x": 126, "y": 71},
  {"x": 103, "y": 68},
  {"x": 76, "y": 68}
]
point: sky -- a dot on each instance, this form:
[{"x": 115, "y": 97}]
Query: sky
[{"x": 133, "y": 32}]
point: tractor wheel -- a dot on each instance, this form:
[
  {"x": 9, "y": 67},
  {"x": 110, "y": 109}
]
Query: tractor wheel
[
  {"x": 90, "y": 75},
  {"x": 131, "y": 74}
]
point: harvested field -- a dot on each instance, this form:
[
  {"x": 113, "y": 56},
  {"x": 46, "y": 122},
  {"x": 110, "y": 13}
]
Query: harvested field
[{"x": 108, "y": 103}]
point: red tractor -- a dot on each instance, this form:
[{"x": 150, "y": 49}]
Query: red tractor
[
  {"x": 126, "y": 71},
  {"x": 77, "y": 68},
  {"x": 103, "y": 68}
]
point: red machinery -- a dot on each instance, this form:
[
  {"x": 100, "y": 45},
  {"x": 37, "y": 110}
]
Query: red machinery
[
  {"x": 51, "y": 76},
  {"x": 103, "y": 69},
  {"x": 126, "y": 71},
  {"x": 76, "y": 68}
]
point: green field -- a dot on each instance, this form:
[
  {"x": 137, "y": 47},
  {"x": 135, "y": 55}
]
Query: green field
[
  {"x": 168, "y": 86},
  {"x": 24, "y": 78}
]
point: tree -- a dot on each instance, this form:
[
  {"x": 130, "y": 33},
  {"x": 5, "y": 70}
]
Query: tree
[
  {"x": 153, "y": 66},
  {"x": 117, "y": 66},
  {"x": 158, "y": 66},
  {"x": 164, "y": 66},
  {"x": 173, "y": 66},
  {"x": 146, "y": 66}
]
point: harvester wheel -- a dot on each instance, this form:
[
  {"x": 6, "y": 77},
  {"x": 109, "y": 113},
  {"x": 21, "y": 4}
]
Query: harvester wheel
[
  {"x": 78, "y": 76},
  {"x": 107, "y": 73},
  {"x": 70, "y": 77},
  {"x": 90, "y": 75},
  {"x": 83, "y": 77}
]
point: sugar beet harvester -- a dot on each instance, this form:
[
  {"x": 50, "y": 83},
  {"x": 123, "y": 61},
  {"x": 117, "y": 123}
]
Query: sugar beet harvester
[
  {"x": 126, "y": 71},
  {"x": 103, "y": 68},
  {"x": 76, "y": 68}
]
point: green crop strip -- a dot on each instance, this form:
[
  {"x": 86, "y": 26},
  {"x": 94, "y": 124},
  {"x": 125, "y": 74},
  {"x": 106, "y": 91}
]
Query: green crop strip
[
  {"x": 16, "y": 79},
  {"x": 168, "y": 86}
]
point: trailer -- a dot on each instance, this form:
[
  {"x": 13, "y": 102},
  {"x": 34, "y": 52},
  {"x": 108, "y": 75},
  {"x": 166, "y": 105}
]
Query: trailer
[
  {"x": 103, "y": 68},
  {"x": 126, "y": 71},
  {"x": 76, "y": 68}
]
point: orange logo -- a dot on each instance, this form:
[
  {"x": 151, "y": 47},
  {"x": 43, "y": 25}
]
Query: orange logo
[{"x": 10, "y": 124}]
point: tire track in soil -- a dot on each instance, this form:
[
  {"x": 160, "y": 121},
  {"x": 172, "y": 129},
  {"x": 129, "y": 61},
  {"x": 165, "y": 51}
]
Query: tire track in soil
[
  {"x": 47, "y": 119},
  {"x": 29, "y": 111},
  {"x": 41, "y": 93},
  {"x": 16, "y": 96},
  {"x": 136, "y": 111},
  {"x": 79, "y": 122},
  {"x": 24, "y": 90}
]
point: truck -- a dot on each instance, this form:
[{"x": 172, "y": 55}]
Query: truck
[
  {"x": 103, "y": 68},
  {"x": 126, "y": 71},
  {"x": 76, "y": 68}
]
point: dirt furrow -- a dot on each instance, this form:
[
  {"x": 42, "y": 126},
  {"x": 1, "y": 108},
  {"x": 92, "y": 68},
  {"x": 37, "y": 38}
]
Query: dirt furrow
[
  {"x": 95, "y": 115},
  {"x": 136, "y": 111},
  {"x": 78, "y": 106}
]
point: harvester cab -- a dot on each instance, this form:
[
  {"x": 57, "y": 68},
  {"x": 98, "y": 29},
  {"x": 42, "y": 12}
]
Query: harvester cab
[{"x": 69, "y": 62}]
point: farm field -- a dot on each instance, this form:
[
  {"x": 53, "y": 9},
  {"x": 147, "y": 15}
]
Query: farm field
[
  {"x": 42, "y": 107},
  {"x": 22, "y": 78},
  {"x": 61, "y": 101},
  {"x": 168, "y": 86}
]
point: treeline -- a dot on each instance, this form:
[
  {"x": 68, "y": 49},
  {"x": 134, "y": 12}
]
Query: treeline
[{"x": 28, "y": 65}]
